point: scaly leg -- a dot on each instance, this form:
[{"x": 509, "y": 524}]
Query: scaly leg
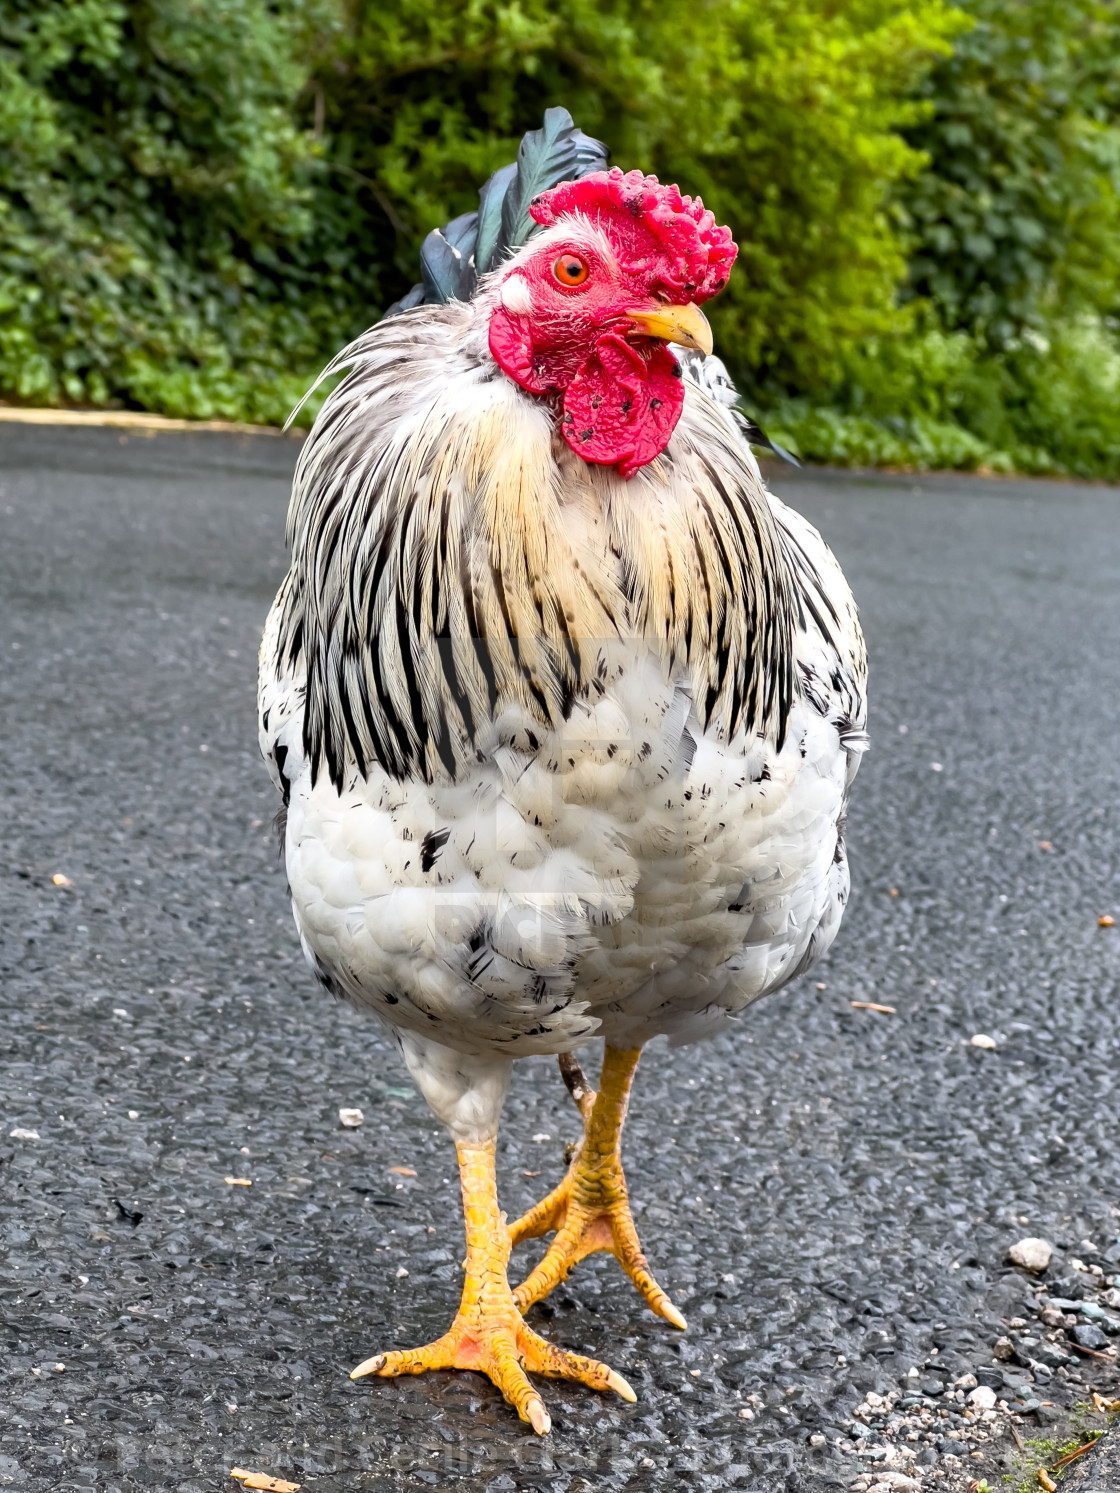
[
  {"x": 488, "y": 1333},
  {"x": 590, "y": 1209}
]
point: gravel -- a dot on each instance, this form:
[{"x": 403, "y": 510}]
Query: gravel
[{"x": 830, "y": 1193}]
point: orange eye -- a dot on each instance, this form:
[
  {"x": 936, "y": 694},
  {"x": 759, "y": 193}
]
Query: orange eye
[{"x": 570, "y": 269}]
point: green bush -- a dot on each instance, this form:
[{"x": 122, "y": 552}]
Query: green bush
[
  {"x": 155, "y": 206},
  {"x": 1045, "y": 405},
  {"x": 201, "y": 200},
  {"x": 1016, "y": 220},
  {"x": 783, "y": 114}
]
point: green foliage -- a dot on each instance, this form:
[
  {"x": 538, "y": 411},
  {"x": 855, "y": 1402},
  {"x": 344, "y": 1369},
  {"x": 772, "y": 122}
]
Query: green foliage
[
  {"x": 155, "y": 205},
  {"x": 201, "y": 200},
  {"x": 939, "y": 399},
  {"x": 782, "y": 114},
  {"x": 1016, "y": 221}
]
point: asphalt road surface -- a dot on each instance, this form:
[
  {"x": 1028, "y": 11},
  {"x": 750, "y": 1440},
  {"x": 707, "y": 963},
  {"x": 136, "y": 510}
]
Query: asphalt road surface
[{"x": 829, "y": 1192}]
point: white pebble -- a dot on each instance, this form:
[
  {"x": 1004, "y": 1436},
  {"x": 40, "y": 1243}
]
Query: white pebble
[
  {"x": 351, "y": 1118},
  {"x": 19, "y": 1133},
  {"x": 541, "y": 1136},
  {"x": 982, "y": 1398},
  {"x": 1031, "y": 1254},
  {"x": 402, "y": 1273},
  {"x": 981, "y": 1039}
]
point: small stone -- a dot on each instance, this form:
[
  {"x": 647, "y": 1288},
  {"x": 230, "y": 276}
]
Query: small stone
[
  {"x": 1112, "y": 1298},
  {"x": 982, "y": 1398},
  {"x": 932, "y": 1387},
  {"x": 1085, "y": 1335},
  {"x": 1003, "y": 1349},
  {"x": 982, "y": 1039},
  {"x": 350, "y": 1118},
  {"x": 1043, "y": 1353},
  {"x": 1052, "y": 1316},
  {"x": 1106, "y": 920},
  {"x": 19, "y": 1133},
  {"x": 1030, "y": 1254}
]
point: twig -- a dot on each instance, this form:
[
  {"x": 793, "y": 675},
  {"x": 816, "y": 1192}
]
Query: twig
[
  {"x": 1073, "y": 1456},
  {"x": 1019, "y": 1442},
  {"x": 873, "y": 1006},
  {"x": 1092, "y": 1353}
]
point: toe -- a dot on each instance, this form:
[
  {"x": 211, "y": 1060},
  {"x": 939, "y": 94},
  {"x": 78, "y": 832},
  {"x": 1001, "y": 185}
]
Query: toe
[
  {"x": 437, "y": 1355},
  {"x": 555, "y": 1363},
  {"x": 546, "y": 1216},
  {"x": 549, "y": 1272},
  {"x": 507, "y": 1371}
]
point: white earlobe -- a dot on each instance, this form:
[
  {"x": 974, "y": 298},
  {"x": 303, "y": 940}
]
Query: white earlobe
[{"x": 516, "y": 296}]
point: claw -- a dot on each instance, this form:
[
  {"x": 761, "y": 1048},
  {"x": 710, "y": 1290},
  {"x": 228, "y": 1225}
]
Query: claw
[
  {"x": 539, "y": 1418},
  {"x": 620, "y": 1387},
  {"x": 672, "y": 1315},
  {"x": 371, "y": 1366}
]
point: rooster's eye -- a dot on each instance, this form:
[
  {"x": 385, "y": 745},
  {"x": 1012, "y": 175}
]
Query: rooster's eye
[{"x": 570, "y": 269}]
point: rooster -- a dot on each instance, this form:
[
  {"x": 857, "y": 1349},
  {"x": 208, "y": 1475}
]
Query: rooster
[{"x": 564, "y": 706}]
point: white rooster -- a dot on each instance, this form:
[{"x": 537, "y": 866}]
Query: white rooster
[{"x": 564, "y": 707}]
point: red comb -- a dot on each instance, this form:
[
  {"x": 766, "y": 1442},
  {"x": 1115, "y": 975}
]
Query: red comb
[{"x": 677, "y": 239}]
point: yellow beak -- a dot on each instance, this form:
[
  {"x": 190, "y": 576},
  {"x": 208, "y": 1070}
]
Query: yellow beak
[{"x": 685, "y": 325}]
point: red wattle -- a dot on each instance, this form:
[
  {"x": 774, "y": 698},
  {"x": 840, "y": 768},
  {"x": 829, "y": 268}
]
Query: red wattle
[
  {"x": 622, "y": 406},
  {"x": 511, "y": 346}
]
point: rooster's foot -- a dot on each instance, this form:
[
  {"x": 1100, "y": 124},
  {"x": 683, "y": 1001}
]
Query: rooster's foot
[
  {"x": 590, "y": 1209},
  {"x": 488, "y": 1333}
]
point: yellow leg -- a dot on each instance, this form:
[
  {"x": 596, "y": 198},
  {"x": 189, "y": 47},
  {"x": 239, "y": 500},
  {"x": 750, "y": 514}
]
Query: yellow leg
[
  {"x": 590, "y": 1209},
  {"x": 488, "y": 1333}
]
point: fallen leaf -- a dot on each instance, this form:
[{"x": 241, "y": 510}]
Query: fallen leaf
[
  {"x": 402, "y": 1171},
  {"x": 1046, "y": 1480},
  {"x": 893, "y": 892},
  {"x": 1106, "y": 920},
  {"x": 60, "y": 880},
  {"x": 262, "y": 1481},
  {"x": 530, "y": 1174},
  {"x": 1045, "y": 845},
  {"x": 239, "y": 1181},
  {"x": 873, "y": 1006}
]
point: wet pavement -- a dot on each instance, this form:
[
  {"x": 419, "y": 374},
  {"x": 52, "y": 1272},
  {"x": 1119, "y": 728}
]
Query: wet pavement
[{"x": 829, "y": 1192}]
